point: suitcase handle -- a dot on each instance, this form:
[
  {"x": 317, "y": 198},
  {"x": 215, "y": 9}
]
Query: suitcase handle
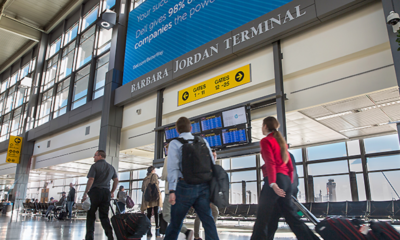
[
  {"x": 305, "y": 211},
  {"x": 112, "y": 210}
]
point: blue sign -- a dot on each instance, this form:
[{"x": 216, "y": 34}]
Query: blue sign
[{"x": 162, "y": 30}]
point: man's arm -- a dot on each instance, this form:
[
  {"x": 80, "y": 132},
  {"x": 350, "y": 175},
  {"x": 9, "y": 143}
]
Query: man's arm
[
  {"x": 88, "y": 186},
  {"x": 173, "y": 165},
  {"x": 209, "y": 149},
  {"x": 115, "y": 185}
]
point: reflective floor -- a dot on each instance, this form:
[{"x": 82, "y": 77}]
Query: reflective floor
[{"x": 38, "y": 228}]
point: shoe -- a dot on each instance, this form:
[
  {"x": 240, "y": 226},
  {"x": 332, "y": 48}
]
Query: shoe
[
  {"x": 198, "y": 239},
  {"x": 149, "y": 233},
  {"x": 157, "y": 232},
  {"x": 189, "y": 235}
]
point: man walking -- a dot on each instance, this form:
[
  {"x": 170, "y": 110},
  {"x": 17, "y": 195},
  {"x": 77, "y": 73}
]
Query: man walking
[
  {"x": 183, "y": 195},
  {"x": 70, "y": 200},
  {"x": 98, "y": 189}
]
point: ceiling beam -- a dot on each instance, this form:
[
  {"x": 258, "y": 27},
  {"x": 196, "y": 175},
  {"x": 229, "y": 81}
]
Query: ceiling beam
[
  {"x": 19, "y": 29},
  {"x": 61, "y": 15},
  {"x": 24, "y": 49}
]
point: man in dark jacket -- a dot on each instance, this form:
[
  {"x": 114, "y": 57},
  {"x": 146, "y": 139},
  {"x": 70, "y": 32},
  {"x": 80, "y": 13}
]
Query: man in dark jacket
[
  {"x": 273, "y": 224},
  {"x": 70, "y": 200}
]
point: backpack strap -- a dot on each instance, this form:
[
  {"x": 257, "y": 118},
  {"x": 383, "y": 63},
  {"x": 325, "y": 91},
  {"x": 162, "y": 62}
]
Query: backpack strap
[{"x": 182, "y": 140}]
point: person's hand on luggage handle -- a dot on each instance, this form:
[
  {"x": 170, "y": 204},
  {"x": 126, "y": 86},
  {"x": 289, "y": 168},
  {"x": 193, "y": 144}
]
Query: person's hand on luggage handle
[
  {"x": 112, "y": 195},
  {"x": 172, "y": 198},
  {"x": 280, "y": 192}
]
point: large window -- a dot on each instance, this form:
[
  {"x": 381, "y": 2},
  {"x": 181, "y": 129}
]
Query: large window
[
  {"x": 333, "y": 150},
  {"x": 86, "y": 47},
  {"x": 67, "y": 61},
  {"x": 51, "y": 70},
  {"x": 54, "y": 47},
  {"x": 16, "y": 122},
  {"x": 60, "y": 105},
  {"x": 2, "y": 97},
  {"x": 80, "y": 87},
  {"x": 382, "y": 144},
  {"x": 4, "y": 85},
  {"x": 14, "y": 78},
  {"x": 45, "y": 107},
  {"x": 5, "y": 128},
  {"x": 100, "y": 76},
  {"x": 90, "y": 17},
  {"x": 10, "y": 100},
  {"x": 104, "y": 42},
  {"x": 71, "y": 34}
]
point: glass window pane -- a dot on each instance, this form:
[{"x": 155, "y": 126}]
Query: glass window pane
[
  {"x": 107, "y": 4},
  {"x": 54, "y": 47},
  {"x": 137, "y": 198},
  {"x": 328, "y": 168},
  {"x": 85, "y": 51},
  {"x": 89, "y": 17},
  {"x": 66, "y": 65},
  {"x": 243, "y": 176},
  {"x": 353, "y": 148},
  {"x": 81, "y": 86},
  {"x": 327, "y": 151},
  {"x": 33, "y": 65},
  {"x": 10, "y": 100},
  {"x": 301, "y": 195},
  {"x": 4, "y": 85},
  {"x": 244, "y": 162},
  {"x": 381, "y": 163},
  {"x": 361, "y": 187},
  {"x": 14, "y": 78},
  {"x": 71, "y": 33},
  {"x": 382, "y": 144},
  {"x": 100, "y": 76},
  {"x": 332, "y": 188},
  {"x": 24, "y": 71},
  {"x": 20, "y": 96},
  {"x": 355, "y": 165},
  {"x": 104, "y": 42},
  {"x": 98, "y": 93},
  {"x": 61, "y": 101},
  {"x": 380, "y": 187},
  {"x": 5, "y": 128},
  {"x": 300, "y": 170},
  {"x": 297, "y": 154},
  {"x": 236, "y": 193},
  {"x": 225, "y": 163},
  {"x": 124, "y": 176}
]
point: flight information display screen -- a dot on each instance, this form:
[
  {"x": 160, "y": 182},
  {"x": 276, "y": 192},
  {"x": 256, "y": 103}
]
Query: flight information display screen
[
  {"x": 234, "y": 117},
  {"x": 213, "y": 139},
  {"x": 195, "y": 127},
  {"x": 234, "y": 135},
  {"x": 171, "y": 133},
  {"x": 211, "y": 122}
]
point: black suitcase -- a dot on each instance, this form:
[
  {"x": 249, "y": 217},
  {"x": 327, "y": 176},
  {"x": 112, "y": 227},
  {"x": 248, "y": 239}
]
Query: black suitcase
[
  {"x": 333, "y": 228},
  {"x": 123, "y": 230}
]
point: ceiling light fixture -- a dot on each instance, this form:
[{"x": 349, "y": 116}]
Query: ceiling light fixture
[
  {"x": 369, "y": 126},
  {"x": 334, "y": 115}
]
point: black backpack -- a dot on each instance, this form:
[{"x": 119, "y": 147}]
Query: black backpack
[
  {"x": 196, "y": 161},
  {"x": 151, "y": 193}
]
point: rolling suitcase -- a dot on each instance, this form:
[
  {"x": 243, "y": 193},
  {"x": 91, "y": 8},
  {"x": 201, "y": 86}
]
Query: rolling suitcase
[
  {"x": 333, "y": 228},
  {"x": 163, "y": 224},
  {"x": 129, "y": 226}
]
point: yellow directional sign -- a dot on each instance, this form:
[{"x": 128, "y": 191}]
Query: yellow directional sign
[
  {"x": 14, "y": 149},
  {"x": 218, "y": 84}
]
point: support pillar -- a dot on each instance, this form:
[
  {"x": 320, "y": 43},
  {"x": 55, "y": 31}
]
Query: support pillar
[
  {"x": 280, "y": 94},
  {"x": 111, "y": 118}
]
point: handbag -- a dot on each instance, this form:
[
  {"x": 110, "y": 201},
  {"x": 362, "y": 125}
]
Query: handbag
[
  {"x": 151, "y": 193},
  {"x": 129, "y": 202}
]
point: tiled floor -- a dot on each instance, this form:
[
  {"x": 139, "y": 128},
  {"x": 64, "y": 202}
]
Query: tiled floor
[{"x": 38, "y": 228}]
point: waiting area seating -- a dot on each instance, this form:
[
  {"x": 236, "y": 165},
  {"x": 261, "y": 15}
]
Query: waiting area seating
[{"x": 389, "y": 210}]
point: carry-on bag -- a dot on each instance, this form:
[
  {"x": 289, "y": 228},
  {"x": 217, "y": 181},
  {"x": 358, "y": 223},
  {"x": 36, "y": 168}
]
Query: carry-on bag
[
  {"x": 333, "y": 228},
  {"x": 129, "y": 226},
  {"x": 163, "y": 224},
  {"x": 382, "y": 231}
]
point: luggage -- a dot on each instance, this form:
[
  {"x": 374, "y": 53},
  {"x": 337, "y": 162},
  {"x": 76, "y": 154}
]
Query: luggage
[
  {"x": 163, "y": 224},
  {"x": 219, "y": 187},
  {"x": 129, "y": 226},
  {"x": 382, "y": 230},
  {"x": 129, "y": 202},
  {"x": 196, "y": 161}
]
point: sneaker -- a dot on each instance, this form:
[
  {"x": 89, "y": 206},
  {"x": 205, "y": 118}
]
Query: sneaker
[{"x": 189, "y": 234}]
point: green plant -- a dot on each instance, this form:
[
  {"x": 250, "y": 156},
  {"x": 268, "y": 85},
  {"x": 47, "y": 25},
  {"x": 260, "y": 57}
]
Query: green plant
[{"x": 398, "y": 39}]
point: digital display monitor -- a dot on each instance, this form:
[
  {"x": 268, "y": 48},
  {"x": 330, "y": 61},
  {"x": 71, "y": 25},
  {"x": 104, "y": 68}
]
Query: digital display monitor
[
  {"x": 211, "y": 122},
  {"x": 234, "y": 135},
  {"x": 171, "y": 133},
  {"x": 213, "y": 139},
  {"x": 195, "y": 126},
  {"x": 234, "y": 117}
]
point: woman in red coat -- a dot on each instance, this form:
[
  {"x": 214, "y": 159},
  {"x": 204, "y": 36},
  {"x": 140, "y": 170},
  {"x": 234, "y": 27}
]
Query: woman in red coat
[{"x": 278, "y": 176}]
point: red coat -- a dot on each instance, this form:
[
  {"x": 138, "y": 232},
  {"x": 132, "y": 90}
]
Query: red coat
[{"x": 271, "y": 153}]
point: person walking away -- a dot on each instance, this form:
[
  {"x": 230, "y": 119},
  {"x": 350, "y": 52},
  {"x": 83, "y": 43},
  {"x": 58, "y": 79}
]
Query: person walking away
[
  {"x": 166, "y": 205},
  {"x": 98, "y": 190},
  {"x": 182, "y": 195},
  {"x": 214, "y": 211},
  {"x": 70, "y": 200},
  {"x": 278, "y": 176},
  {"x": 153, "y": 204},
  {"x": 121, "y": 195}
]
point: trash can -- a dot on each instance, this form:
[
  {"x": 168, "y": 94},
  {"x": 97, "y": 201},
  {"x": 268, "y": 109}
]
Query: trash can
[{"x": 7, "y": 209}]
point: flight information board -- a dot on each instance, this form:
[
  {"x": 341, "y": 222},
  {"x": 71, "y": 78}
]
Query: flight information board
[
  {"x": 213, "y": 139},
  {"x": 171, "y": 133},
  {"x": 211, "y": 122},
  {"x": 195, "y": 127},
  {"x": 234, "y": 135},
  {"x": 234, "y": 117}
]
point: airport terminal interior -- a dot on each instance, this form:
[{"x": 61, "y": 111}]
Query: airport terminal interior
[{"x": 77, "y": 76}]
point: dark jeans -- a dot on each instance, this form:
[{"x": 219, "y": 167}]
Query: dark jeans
[
  {"x": 69, "y": 208},
  {"x": 121, "y": 206},
  {"x": 149, "y": 211},
  {"x": 188, "y": 195},
  {"x": 267, "y": 201},
  {"x": 99, "y": 199}
]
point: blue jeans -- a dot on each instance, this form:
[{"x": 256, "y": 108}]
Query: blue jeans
[
  {"x": 188, "y": 195},
  {"x": 121, "y": 207},
  {"x": 69, "y": 208}
]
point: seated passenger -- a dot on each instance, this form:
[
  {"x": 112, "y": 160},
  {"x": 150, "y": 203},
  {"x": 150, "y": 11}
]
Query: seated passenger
[
  {"x": 36, "y": 204},
  {"x": 55, "y": 204}
]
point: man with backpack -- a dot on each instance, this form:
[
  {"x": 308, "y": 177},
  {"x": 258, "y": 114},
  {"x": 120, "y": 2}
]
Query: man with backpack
[{"x": 189, "y": 173}]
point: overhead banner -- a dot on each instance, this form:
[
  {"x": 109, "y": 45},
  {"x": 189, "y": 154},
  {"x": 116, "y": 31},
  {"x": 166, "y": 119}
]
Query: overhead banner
[
  {"x": 215, "y": 85},
  {"x": 14, "y": 149},
  {"x": 162, "y": 30}
]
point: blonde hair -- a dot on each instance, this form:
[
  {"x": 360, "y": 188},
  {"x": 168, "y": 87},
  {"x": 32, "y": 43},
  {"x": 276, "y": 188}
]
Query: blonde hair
[{"x": 272, "y": 126}]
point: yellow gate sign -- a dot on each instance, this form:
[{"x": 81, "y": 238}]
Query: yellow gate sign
[
  {"x": 215, "y": 85},
  {"x": 14, "y": 149}
]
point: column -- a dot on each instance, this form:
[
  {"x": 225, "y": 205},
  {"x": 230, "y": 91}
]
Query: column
[{"x": 280, "y": 94}]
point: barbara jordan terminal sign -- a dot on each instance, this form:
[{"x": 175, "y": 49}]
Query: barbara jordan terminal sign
[{"x": 161, "y": 30}]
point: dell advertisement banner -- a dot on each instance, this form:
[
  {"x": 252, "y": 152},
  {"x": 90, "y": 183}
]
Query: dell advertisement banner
[{"x": 161, "y": 30}]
